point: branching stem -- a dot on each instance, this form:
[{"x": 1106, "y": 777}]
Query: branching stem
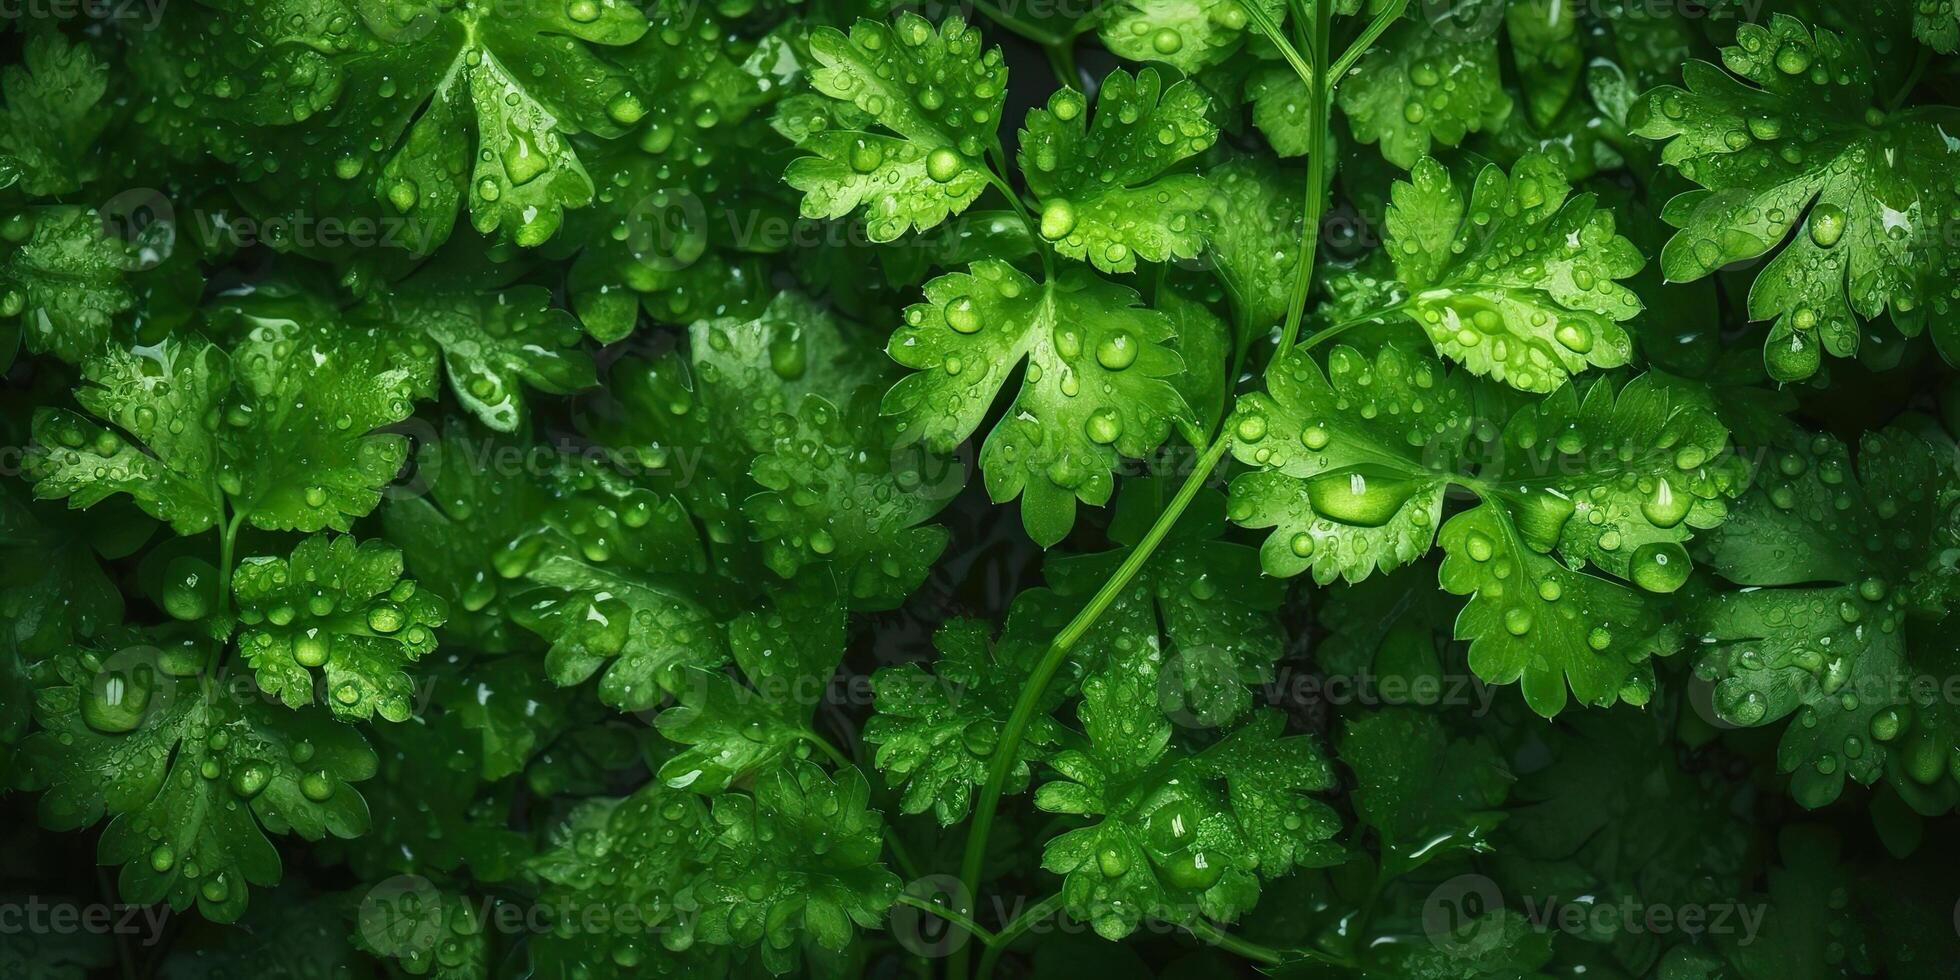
[
  {"x": 957, "y": 918},
  {"x": 1013, "y": 930},
  {"x": 1320, "y": 92},
  {"x": 1036, "y": 686},
  {"x": 1233, "y": 944},
  {"x": 1372, "y": 33},
  {"x": 1015, "y": 25}
]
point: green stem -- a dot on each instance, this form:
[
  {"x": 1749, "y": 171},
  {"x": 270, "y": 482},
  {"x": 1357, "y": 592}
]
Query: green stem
[
  {"x": 226, "y": 545},
  {"x": 1369, "y": 36},
  {"x": 900, "y": 855},
  {"x": 1241, "y": 344},
  {"x": 1014, "y": 24},
  {"x": 1233, "y": 944},
  {"x": 1343, "y": 327},
  {"x": 1061, "y": 59},
  {"x": 997, "y": 157},
  {"x": 956, "y": 918},
  {"x": 1321, "y": 95},
  {"x": 1301, "y": 66},
  {"x": 1919, "y": 63},
  {"x": 1124, "y": 573},
  {"x": 823, "y": 745},
  {"x": 1009, "y": 746},
  {"x": 1013, "y": 930}
]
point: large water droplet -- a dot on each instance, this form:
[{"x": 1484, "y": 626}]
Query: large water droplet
[
  {"x": 1664, "y": 508},
  {"x": 117, "y": 700},
  {"x": 1660, "y": 566},
  {"x": 1360, "y": 499}
]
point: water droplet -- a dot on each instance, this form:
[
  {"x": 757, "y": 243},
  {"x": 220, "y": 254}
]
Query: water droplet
[
  {"x": 1117, "y": 351},
  {"x": 1664, "y": 508},
  {"x": 310, "y": 649},
  {"x": 1057, "y": 219},
  {"x": 250, "y": 779},
  {"x": 1357, "y": 498},
  {"x": 1826, "y": 225},
  {"x": 963, "y": 315},
  {"x": 317, "y": 786},
  {"x": 1193, "y": 870},
  {"x": 1517, "y": 620},
  {"x": 117, "y": 700},
  {"x": 1112, "y": 862},
  {"x": 385, "y": 617},
  {"x": 1250, "y": 428},
  {"x": 1660, "y": 566},
  {"x": 943, "y": 165},
  {"x": 1103, "y": 426}
]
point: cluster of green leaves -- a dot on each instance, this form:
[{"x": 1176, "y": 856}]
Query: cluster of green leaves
[{"x": 550, "y": 459}]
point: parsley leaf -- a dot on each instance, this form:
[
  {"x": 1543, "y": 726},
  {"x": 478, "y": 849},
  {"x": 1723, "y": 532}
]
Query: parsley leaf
[
  {"x": 282, "y": 430},
  {"x": 1203, "y": 596},
  {"x": 936, "y": 732},
  {"x": 1937, "y": 23},
  {"x": 1546, "y": 46},
  {"x": 1792, "y": 147},
  {"x": 1252, "y": 234},
  {"x": 694, "y": 423},
  {"x": 63, "y": 279},
  {"x": 1433, "y": 79},
  {"x": 166, "y": 403},
  {"x": 344, "y": 610},
  {"x": 767, "y": 886},
  {"x": 1107, "y": 197},
  {"x": 1169, "y": 843},
  {"x": 1424, "y": 794},
  {"x": 1188, "y": 35},
  {"x": 495, "y": 344},
  {"x": 1517, "y": 279},
  {"x": 190, "y": 776},
  {"x": 54, "y": 591},
  {"x": 433, "y": 812},
  {"x": 634, "y": 606},
  {"x": 52, "y": 115},
  {"x": 1358, "y": 461},
  {"x": 1314, "y": 433},
  {"x": 842, "y": 488},
  {"x": 427, "y": 932},
  {"x": 937, "y": 90},
  {"x": 408, "y": 112},
  {"x": 730, "y": 730},
  {"x": 662, "y": 832},
  {"x": 478, "y": 507},
  {"x": 1095, "y": 384},
  {"x": 1536, "y": 621},
  {"x": 1837, "y": 560}
]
